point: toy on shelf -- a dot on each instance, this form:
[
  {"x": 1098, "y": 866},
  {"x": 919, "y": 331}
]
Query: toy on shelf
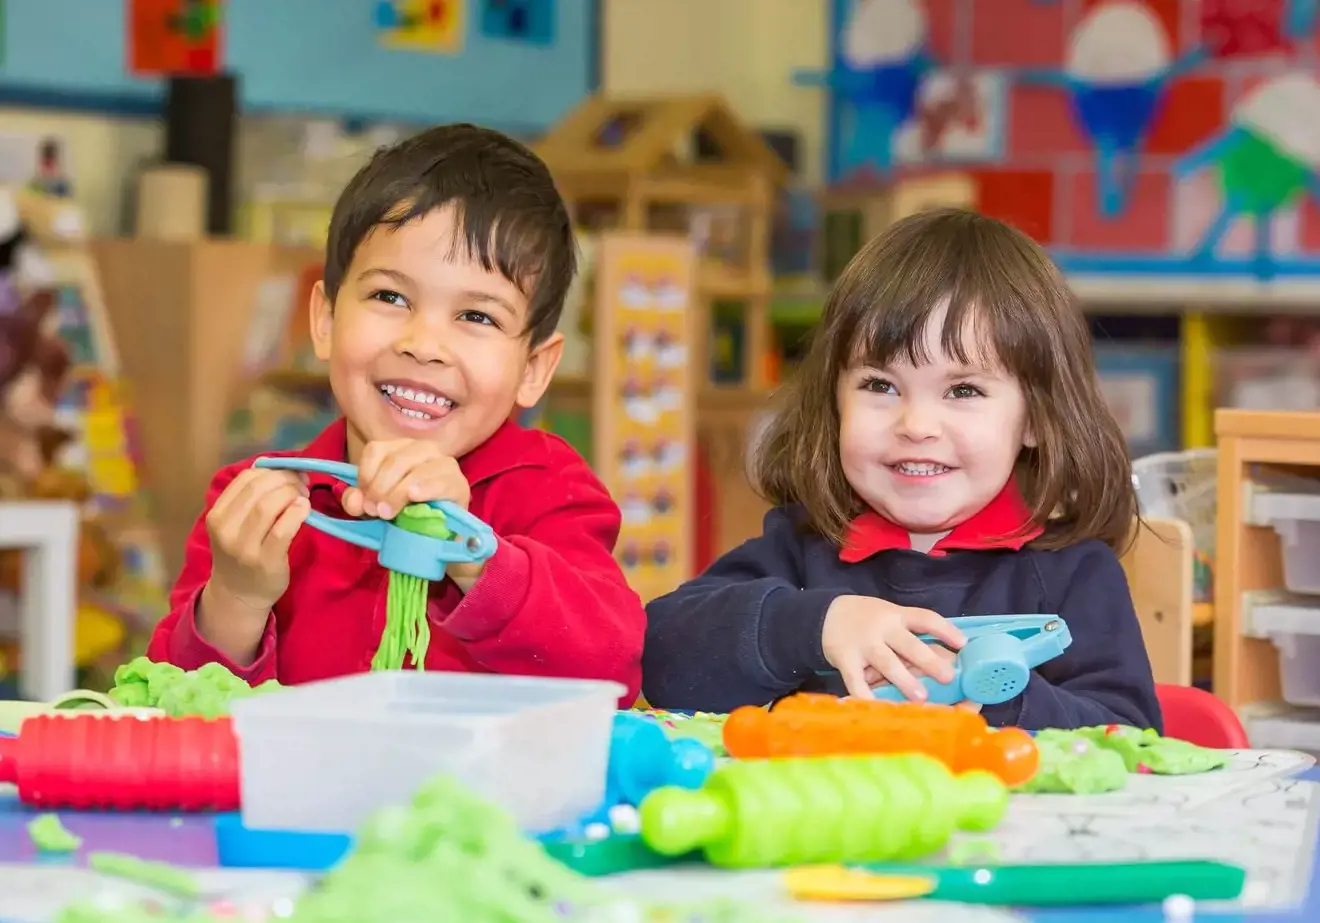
[
  {"x": 682, "y": 165},
  {"x": 415, "y": 547},
  {"x": 996, "y": 663},
  {"x": 822, "y": 725},
  {"x": 761, "y": 813},
  {"x": 85, "y": 761},
  {"x": 644, "y": 403}
]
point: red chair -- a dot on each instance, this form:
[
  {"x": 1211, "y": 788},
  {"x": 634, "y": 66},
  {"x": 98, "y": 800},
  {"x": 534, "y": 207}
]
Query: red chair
[{"x": 1199, "y": 717}]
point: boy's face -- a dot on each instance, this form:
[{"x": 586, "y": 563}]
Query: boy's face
[{"x": 423, "y": 343}]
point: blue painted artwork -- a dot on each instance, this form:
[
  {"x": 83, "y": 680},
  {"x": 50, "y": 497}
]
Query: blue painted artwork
[
  {"x": 530, "y": 21},
  {"x": 1116, "y": 98}
]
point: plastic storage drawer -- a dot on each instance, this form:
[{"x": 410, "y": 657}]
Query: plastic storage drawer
[
  {"x": 1296, "y": 517},
  {"x": 326, "y": 755}
]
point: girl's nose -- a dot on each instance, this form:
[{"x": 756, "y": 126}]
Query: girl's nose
[{"x": 918, "y": 421}]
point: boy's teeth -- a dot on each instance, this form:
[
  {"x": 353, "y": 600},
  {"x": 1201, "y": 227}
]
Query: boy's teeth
[
  {"x": 420, "y": 397},
  {"x": 921, "y": 469}
]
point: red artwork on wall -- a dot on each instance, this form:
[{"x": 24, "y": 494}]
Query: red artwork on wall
[
  {"x": 1242, "y": 28},
  {"x": 179, "y": 38}
]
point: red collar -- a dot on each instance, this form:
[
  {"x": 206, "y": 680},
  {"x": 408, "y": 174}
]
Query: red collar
[
  {"x": 507, "y": 448},
  {"x": 1004, "y": 522}
]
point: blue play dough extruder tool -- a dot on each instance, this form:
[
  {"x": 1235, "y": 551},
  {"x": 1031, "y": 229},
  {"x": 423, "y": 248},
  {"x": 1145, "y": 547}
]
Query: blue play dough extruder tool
[
  {"x": 996, "y": 662},
  {"x": 397, "y": 549}
]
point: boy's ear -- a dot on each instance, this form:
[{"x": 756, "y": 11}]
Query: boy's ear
[
  {"x": 321, "y": 317},
  {"x": 541, "y": 365}
]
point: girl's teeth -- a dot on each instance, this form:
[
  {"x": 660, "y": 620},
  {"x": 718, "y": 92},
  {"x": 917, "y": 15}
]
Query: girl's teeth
[{"x": 921, "y": 470}]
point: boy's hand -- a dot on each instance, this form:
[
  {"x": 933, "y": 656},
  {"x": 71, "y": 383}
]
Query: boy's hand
[
  {"x": 394, "y": 473},
  {"x": 251, "y": 526},
  {"x": 865, "y": 635}
]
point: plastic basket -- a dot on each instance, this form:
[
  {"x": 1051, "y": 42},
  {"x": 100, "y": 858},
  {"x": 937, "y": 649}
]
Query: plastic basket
[{"x": 1183, "y": 485}]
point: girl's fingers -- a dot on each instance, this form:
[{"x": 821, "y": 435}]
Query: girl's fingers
[
  {"x": 892, "y": 668},
  {"x": 854, "y": 680},
  {"x": 923, "y": 657},
  {"x": 925, "y": 622}
]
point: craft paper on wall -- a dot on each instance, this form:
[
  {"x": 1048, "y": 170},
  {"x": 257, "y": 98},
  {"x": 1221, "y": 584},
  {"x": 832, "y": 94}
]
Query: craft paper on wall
[
  {"x": 1233, "y": 29},
  {"x": 1117, "y": 71},
  {"x": 174, "y": 37},
  {"x": 1267, "y": 160},
  {"x": 876, "y": 78},
  {"x": 421, "y": 25},
  {"x": 530, "y": 21}
]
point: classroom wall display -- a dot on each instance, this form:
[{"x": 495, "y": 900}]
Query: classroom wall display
[
  {"x": 644, "y": 406},
  {"x": 174, "y": 37},
  {"x": 1169, "y": 137},
  {"x": 290, "y": 54},
  {"x": 420, "y": 25}
]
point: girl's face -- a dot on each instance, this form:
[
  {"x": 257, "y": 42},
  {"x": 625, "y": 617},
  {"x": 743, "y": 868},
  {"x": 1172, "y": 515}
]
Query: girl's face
[{"x": 928, "y": 446}]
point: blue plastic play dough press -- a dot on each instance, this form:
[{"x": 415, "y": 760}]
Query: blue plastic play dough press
[{"x": 397, "y": 549}]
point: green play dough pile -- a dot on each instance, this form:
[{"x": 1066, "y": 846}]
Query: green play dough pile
[
  {"x": 1093, "y": 760},
  {"x": 448, "y": 856},
  {"x": 204, "y": 693}
]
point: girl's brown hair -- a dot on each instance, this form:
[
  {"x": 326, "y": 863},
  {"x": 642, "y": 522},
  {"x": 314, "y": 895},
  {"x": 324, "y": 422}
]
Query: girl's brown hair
[{"x": 1000, "y": 285}]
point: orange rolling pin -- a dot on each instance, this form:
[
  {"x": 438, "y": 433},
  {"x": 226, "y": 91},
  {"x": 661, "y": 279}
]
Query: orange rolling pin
[{"x": 820, "y": 725}]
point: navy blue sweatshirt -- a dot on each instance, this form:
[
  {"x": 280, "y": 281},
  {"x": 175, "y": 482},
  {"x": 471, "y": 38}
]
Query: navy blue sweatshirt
[{"x": 748, "y": 630}]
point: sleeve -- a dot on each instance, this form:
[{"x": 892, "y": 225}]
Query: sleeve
[
  {"x": 552, "y": 600},
  {"x": 1104, "y": 677},
  {"x": 176, "y": 639},
  {"x": 743, "y": 633}
]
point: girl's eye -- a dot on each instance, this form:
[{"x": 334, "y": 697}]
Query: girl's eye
[
  {"x": 388, "y": 297},
  {"x": 966, "y": 390},
  {"x": 877, "y": 386},
  {"x": 477, "y": 317}
]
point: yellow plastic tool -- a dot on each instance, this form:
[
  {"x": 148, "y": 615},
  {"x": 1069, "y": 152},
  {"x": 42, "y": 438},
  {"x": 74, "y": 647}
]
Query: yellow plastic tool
[{"x": 838, "y": 883}]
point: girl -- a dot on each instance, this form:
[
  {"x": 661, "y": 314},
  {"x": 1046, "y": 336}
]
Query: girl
[{"x": 945, "y": 451}]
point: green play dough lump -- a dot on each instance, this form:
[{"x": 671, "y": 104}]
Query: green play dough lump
[
  {"x": 446, "y": 856},
  {"x": 1145, "y": 751},
  {"x": 1071, "y": 764},
  {"x": 203, "y": 693},
  {"x": 706, "y": 727},
  {"x": 51, "y": 836}
]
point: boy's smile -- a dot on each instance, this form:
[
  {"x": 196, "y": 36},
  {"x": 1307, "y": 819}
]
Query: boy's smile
[{"x": 423, "y": 342}]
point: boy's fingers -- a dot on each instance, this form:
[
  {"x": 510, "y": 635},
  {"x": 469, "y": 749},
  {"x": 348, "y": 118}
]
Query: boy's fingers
[
  {"x": 891, "y": 666},
  {"x": 923, "y": 656},
  {"x": 286, "y": 526},
  {"x": 352, "y": 501},
  {"x": 925, "y": 622}
]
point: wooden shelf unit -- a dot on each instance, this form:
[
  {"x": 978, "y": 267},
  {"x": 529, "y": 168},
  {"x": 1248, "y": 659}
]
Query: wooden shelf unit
[{"x": 1247, "y": 556}]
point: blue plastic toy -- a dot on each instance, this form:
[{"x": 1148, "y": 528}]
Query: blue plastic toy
[
  {"x": 996, "y": 663},
  {"x": 643, "y": 758},
  {"x": 397, "y": 549}
]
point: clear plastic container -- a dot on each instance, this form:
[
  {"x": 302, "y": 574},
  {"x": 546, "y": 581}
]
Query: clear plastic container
[
  {"x": 1294, "y": 628},
  {"x": 1296, "y": 517},
  {"x": 324, "y": 756}
]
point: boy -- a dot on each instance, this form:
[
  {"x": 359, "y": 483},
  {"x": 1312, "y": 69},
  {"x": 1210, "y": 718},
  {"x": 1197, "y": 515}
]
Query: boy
[{"x": 448, "y": 261}]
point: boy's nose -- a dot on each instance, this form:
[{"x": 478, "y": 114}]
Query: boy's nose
[{"x": 425, "y": 345}]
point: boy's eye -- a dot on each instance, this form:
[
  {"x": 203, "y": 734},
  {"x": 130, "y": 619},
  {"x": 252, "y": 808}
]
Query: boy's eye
[
  {"x": 477, "y": 317},
  {"x": 966, "y": 390},
  {"x": 389, "y": 297},
  {"x": 878, "y": 386}
]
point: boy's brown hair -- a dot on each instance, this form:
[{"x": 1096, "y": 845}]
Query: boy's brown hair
[
  {"x": 513, "y": 218},
  {"x": 1005, "y": 291}
]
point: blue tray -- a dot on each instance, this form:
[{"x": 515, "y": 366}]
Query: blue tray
[{"x": 238, "y": 847}]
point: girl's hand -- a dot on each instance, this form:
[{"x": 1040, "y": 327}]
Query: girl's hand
[
  {"x": 864, "y": 632},
  {"x": 394, "y": 473},
  {"x": 939, "y": 650}
]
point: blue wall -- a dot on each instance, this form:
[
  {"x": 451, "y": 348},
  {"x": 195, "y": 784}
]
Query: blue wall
[{"x": 309, "y": 56}]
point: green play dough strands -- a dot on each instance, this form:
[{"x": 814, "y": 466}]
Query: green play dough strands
[
  {"x": 204, "y": 693},
  {"x": 51, "y": 836},
  {"x": 407, "y": 632},
  {"x": 764, "y": 813}
]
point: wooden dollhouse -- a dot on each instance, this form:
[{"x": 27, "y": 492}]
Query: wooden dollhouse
[{"x": 681, "y": 164}]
